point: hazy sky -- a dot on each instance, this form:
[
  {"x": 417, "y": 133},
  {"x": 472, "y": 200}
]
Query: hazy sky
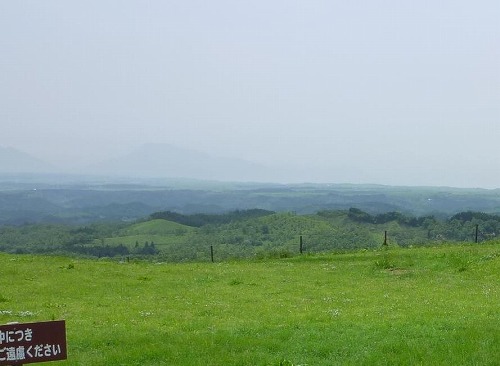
[{"x": 368, "y": 91}]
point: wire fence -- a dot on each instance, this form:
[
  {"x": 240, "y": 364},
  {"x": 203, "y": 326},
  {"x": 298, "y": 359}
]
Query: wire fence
[{"x": 250, "y": 247}]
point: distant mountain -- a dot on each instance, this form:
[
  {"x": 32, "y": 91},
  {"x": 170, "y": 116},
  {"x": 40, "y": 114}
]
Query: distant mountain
[
  {"x": 15, "y": 161},
  {"x": 164, "y": 160}
]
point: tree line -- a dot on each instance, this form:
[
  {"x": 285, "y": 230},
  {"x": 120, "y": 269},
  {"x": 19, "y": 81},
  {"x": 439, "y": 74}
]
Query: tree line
[
  {"x": 248, "y": 233},
  {"x": 199, "y": 220}
]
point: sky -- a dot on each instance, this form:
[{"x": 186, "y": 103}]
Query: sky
[{"x": 364, "y": 91}]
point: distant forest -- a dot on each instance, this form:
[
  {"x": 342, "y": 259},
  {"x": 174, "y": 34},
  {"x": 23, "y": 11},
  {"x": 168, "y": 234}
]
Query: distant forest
[{"x": 63, "y": 201}]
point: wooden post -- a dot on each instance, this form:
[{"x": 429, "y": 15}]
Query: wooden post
[
  {"x": 385, "y": 237},
  {"x": 300, "y": 246},
  {"x": 212, "y": 252},
  {"x": 477, "y": 230}
]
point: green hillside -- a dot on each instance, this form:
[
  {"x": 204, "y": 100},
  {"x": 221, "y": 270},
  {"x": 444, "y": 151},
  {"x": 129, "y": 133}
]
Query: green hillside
[
  {"x": 151, "y": 237},
  {"x": 396, "y": 306},
  {"x": 157, "y": 227},
  {"x": 248, "y": 234}
]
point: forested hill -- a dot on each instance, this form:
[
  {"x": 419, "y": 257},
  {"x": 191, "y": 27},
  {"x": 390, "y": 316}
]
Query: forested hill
[
  {"x": 75, "y": 200},
  {"x": 171, "y": 236},
  {"x": 198, "y": 220}
]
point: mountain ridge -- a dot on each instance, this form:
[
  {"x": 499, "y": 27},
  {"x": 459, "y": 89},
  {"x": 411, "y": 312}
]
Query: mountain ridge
[
  {"x": 165, "y": 160},
  {"x": 16, "y": 161}
]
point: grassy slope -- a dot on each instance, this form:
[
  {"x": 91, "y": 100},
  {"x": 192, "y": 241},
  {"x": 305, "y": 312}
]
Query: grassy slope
[
  {"x": 158, "y": 227},
  {"x": 258, "y": 236},
  {"x": 161, "y": 232},
  {"x": 400, "y": 306}
]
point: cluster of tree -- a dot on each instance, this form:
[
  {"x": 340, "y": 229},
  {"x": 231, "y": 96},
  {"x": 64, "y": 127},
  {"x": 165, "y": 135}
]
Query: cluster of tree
[
  {"x": 199, "y": 220},
  {"x": 115, "y": 250},
  {"x": 101, "y": 250},
  {"x": 471, "y": 215},
  {"x": 462, "y": 226},
  {"x": 358, "y": 215}
]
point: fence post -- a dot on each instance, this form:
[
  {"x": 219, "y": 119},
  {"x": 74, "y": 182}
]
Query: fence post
[
  {"x": 300, "y": 246},
  {"x": 477, "y": 229},
  {"x": 385, "y": 238},
  {"x": 212, "y": 253}
]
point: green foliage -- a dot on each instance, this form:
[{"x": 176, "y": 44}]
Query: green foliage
[
  {"x": 355, "y": 214},
  {"x": 247, "y": 234},
  {"x": 470, "y": 216},
  {"x": 384, "y": 259},
  {"x": 358, "y": 215},
  {"x": 156, "y": 227},
  {"x": 198, "y": 220}
]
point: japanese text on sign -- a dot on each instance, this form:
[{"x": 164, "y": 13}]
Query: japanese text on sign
[{"x": 32, "y": 342}]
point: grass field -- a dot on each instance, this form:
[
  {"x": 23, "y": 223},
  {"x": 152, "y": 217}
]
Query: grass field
[{"x": 414, "y": 306}]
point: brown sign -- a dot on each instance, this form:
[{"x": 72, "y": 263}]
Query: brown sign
[{"x": 22, "y": 343}]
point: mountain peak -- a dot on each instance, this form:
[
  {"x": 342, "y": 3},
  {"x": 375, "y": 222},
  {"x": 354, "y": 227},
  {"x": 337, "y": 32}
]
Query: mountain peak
[
  {"x": 165, "y": 160},
  {"x": 16, "y": 161}
]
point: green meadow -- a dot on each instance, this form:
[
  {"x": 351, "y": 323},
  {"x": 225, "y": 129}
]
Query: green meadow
[{"x": 388, "y": 306}]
